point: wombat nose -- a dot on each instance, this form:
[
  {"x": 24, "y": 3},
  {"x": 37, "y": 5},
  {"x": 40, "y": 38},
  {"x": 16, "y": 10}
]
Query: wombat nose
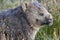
[{"x": 48, "y": 20}]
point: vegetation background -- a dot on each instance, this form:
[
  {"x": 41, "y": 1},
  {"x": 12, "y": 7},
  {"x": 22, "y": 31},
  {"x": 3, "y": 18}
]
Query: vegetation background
[{"x": 45, "y": 33}]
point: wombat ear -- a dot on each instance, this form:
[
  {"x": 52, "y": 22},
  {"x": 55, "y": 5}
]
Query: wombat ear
[{"x": 25, "y": 5}]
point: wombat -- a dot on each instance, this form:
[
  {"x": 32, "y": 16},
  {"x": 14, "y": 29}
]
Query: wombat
[{"x": 23, "y": 24}]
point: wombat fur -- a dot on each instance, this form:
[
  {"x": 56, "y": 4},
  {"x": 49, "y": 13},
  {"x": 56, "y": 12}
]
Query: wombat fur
[{"x": 19, "y": 24}]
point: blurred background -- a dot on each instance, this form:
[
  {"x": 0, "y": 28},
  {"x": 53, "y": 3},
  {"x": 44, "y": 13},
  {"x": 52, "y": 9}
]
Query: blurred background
[{"x": 45, "y": 33}]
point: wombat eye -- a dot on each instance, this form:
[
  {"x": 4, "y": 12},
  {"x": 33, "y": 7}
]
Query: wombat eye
[{"x": 41, "y": 14}]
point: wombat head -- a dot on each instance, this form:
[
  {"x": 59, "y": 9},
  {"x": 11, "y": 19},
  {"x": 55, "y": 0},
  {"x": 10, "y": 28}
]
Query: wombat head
[{"x": 37, "y": 14}]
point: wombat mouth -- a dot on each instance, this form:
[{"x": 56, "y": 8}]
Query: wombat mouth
[
  {"x": 47, "y": 23},
  {"x": 43, "y": 23}
]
